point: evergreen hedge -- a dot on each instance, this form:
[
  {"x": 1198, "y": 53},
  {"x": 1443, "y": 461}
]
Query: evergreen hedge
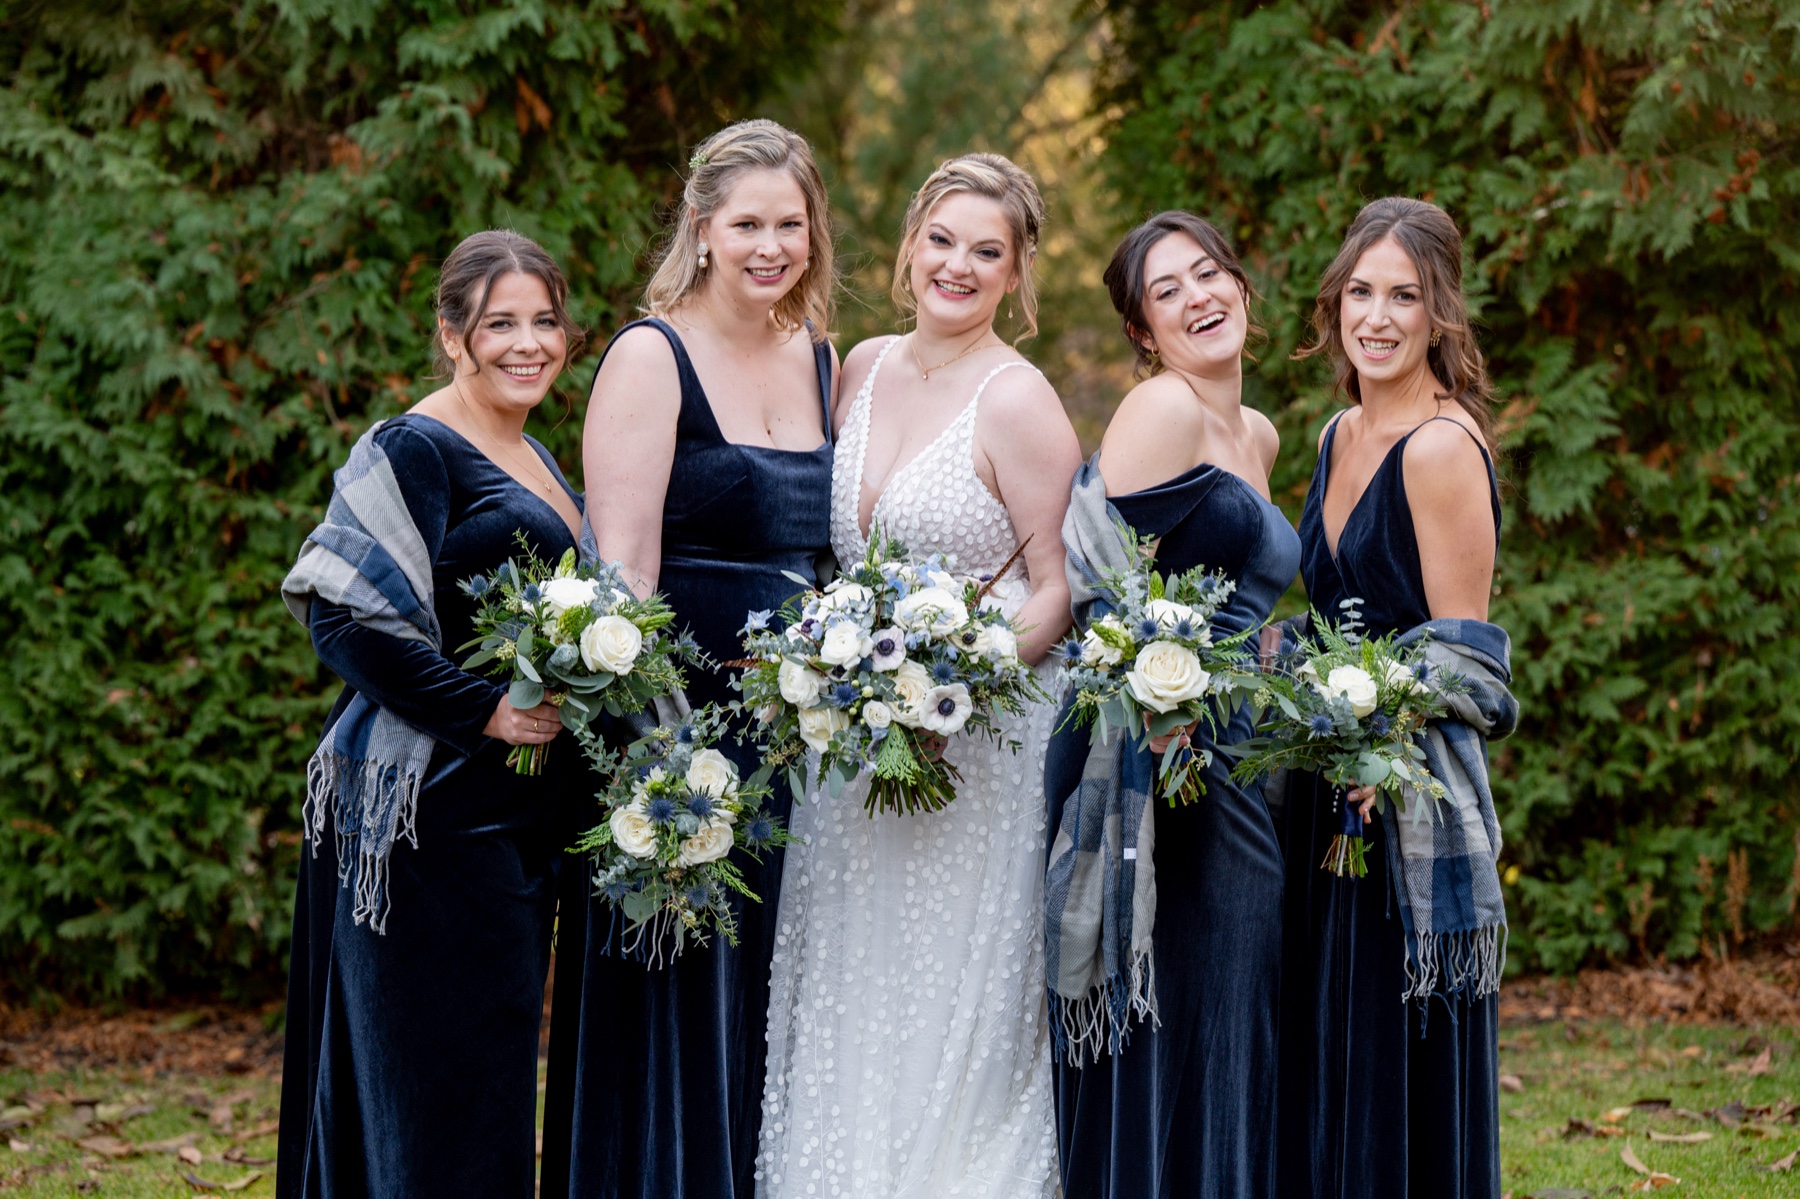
[
  {"x": 1626, "y": 175},
  {"x": 222, "y": 228}
]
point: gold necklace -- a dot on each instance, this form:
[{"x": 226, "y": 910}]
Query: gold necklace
[
  {"x": 925, "y": 372},
  {"x": 549, "y": 485}
]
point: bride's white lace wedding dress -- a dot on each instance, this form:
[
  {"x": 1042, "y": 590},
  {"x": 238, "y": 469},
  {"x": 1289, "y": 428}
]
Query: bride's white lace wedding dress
[{"x": 909, "y": 1053}]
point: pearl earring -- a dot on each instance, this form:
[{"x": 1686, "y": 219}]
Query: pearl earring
[{"x": 703, "y": 251}]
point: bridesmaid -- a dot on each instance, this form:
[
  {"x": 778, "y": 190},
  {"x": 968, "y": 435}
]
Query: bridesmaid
[
  {"x": 1185, "y": 1107},
  {"x": 1382, "y": 1097},
  {"x": 709, "y": 425},
  {"x": 425, "y": 968}
]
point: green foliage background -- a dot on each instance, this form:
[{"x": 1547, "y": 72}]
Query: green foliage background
[
  {"x": 223, "y": 223},
  {"x": 1627, "y": 180}
]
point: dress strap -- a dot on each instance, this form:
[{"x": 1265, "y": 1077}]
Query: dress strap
[
  {"x": 696, "y": 420},
  {"x": 968, "y": 414}
]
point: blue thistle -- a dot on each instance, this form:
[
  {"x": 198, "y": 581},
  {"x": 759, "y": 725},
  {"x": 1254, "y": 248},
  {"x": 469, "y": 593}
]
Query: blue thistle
[
  {"x": 1320, "y": 725},
  {"x": 617, "y": 890},
  {"x": 1148, "y": 629},
  {"x": 1422, "y": 672},
  {"x": 843, "y": 695},
  {"x": 943, "y": 674},
  {"x": 1070, "y": 651},
  {"x": 700, "y": 804},
  {"x": 531, "y": 593},
  {"x": 1207, "y": 584},
  {"x": 477, "y": 586},
  {"x": 759, "y": 832},
  {"x": 698, "y": 896},
  {"x": 1184, "y": 628},
  {"x": 685, "y": 734},
  {"x": 660, "y": 809},
  {"x": 1378, "y": 725}
]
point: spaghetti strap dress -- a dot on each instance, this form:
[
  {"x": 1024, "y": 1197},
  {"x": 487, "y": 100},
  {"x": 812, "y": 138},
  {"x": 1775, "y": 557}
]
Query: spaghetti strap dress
[
  {"x": 1187, "y": 1109},
  {"x": 411, "y": 1059},
  {"x": 1380, "y": 1099},
  {"x": 655, "y": 1077}
]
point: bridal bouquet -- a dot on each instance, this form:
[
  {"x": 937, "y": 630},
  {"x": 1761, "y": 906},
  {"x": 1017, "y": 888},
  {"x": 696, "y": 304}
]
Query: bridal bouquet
[
  {"x": 675, "y": 809},
  {"x": 1349, "y": 711},
  {"x": 1151, "y": 666},
  {"x": 892, "y": 654},
  {"x": 575, "y": 635}
]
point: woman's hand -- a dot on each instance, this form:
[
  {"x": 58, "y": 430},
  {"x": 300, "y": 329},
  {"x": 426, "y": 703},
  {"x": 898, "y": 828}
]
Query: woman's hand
[
  {"x": 1160, "y": 745},
  {"x": 930, "y": 744},
  {"x": 1362, "y": 798},
  {"x": 523, "y": 726}
]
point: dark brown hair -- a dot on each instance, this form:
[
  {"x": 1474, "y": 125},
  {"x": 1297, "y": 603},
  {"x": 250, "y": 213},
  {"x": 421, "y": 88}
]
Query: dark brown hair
[
  {"x": 1124, "y": 275},
  {"x": 1431, "y": 240},
  {"x": 466, "y": 280}
]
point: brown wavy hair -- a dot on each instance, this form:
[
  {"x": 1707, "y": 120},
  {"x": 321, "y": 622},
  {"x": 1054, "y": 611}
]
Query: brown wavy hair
[
  {"x": 714, "y": 168},
  {"x": 1431, "y": 239},
  {"x": 466, "y": 280},
  {"x": 1124, "y": 276}
]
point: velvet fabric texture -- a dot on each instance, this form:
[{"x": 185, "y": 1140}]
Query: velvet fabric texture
[
  {"x": 411, "y": 1059},
  {"x": 656, "y": 1076},
  {"x": 1186, "y": 1109},
  {"x": 1380, "y": 1099}
]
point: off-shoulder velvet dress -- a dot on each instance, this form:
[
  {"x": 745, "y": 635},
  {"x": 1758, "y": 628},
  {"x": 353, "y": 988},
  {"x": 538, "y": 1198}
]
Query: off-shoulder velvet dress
[
  {"x": 411, "y": 1063},
  {"x": 1381, "y": 1099},
  {"x": 1187, "y": 1109},
  {"x": 656, "y": 1075}
]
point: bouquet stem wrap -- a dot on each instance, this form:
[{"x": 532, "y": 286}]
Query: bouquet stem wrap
[
  {"x": 369, "y": 557},
  {"x": 1345, "y": 857}
]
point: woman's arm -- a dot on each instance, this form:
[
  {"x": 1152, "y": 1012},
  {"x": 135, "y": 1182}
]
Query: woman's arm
[
  {"x": 628, "y": 449},
  {"x": 1026, "y": 440},
  {"x": 1154, "y": 436},
  {"x": 1453, "y": 519}
]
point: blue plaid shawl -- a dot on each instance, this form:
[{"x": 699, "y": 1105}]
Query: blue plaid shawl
[
  {"x": 367, "y": 556},
  {"x": 1446, "y": 869}
]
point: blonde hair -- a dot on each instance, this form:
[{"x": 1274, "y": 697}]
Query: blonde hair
[
  {"x": 712, "y": 172},
  {"x": 998, "y": 179}
]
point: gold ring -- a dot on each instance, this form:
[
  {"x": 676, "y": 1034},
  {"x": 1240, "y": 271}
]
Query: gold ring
[{"x": 534, "y": 725}]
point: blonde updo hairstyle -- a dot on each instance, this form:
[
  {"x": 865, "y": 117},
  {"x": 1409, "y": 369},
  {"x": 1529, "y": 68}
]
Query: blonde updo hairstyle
[
  {"x": 998, "y": 179},
  {"x": 713, "y": 171}
]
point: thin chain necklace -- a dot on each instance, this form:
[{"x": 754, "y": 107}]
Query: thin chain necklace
[
  {"x": 912, "y": 344},
  {"x": 548, "y": 484}
]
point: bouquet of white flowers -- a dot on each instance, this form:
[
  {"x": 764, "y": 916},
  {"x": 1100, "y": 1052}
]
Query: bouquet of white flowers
[
  {"x": 675, "y": 809},
  {"x": 1151, "y": 666},
  {"x": 891, "y": 652},
  {"x": 574, "y": 635},
  {"x": 1348, "y": 708}
]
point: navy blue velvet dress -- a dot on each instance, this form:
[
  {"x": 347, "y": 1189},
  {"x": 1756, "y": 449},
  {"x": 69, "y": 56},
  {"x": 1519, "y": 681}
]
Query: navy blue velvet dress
[
  {"x": 1380, "y": 1099},
  {"x": 411, "y": 1062},
  {"x": 1187, "y": 1109},
  {"x": 656, "y": 1076}
]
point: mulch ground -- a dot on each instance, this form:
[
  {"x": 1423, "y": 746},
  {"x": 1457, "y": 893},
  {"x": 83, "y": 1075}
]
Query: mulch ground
[{"x": 220, "y": 1039}]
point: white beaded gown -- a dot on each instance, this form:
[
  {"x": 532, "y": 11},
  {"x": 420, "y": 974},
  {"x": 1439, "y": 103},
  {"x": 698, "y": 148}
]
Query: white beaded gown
[{"x": 909, "y": 1051}]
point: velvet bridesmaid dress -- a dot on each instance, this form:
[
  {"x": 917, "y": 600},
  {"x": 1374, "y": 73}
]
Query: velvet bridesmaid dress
[
  {"x": 411, "y": 1061},
  {"x": 656, "y": 1075},
  {"x": 1380, "y": 1099},
  {"x": 1187, "y": 1109}
]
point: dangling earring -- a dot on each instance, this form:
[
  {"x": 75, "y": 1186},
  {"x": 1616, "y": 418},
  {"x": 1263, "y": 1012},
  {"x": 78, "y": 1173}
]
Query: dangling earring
[
  {"x": 1009, "y": 310},
  {"x": 1155, "y": 360},
  {"x": 1437, "y": 335},
  {"x": 703, "y": 255}
]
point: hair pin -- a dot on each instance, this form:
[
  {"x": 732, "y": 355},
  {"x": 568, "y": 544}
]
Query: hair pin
[{"x": 697, "y": 160}]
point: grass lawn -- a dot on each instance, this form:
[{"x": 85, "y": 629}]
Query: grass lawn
[{"x": 135, "y": 1132}]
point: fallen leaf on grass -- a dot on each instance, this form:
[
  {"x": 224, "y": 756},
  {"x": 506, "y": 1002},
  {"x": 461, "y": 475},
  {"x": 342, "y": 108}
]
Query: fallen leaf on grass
[
  {"x": 1684, "y": 1138},
  {"x": 107, "y": 1146},
  {"x": 1692, "y": 1051},
  {"x": 200, "y": 1184},
  {"x": 1562, "y": 1193},
  {"x": 172, "y": 1145},
  {"x": 1784, "y": 1164},
  {"x": 1653, "y": 1180},
  {"x": 188, "y": 1154},
  {"x": 220, "y": 1119},
  {"x": 18, "y": 1146},
  {"x": 236, "y": 1156},
  {"x": 1730, "y": 1115},
  {"x": 267, "y": 1128},
  {"x": 1512, "y": 1082},
  {"x": 1652, "y": 1104},
  {"x": 1761, "y": 1064}
]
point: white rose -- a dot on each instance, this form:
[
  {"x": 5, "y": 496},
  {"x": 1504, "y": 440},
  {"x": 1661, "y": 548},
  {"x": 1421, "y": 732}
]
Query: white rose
[
  {"x": 943, "y": 579},
  {"x": 843, "y": 644},
  {"x": 768, "y": 713},
  {"x": 711, "y": 772},
  {"x": 877, "y": 715},
  {"x": 711, "y": 843},
  {"x": 1166, "y": 675},
  {"x": 1309, "y": 671},
  {"x": 841, "y": 594},
  {"x": 1094, "y": 651},
  {"x": 1003, "y": 643},
  {"x": 911, "y": 681},
  {"x": 933, "y": 610},
  {"x": 1400, "y": 675},
  {"x": 800, "y": 684},
  {"x": 633, "y": 832},
  {"x": 1167, "y": 612},
  {"x": 611, "y": 643},
  {"x": 559, "y": 595},
  {"x": 946, "y": 709},
  {"x": 818, "y": 724},
  {"x": 1354, "y": 684}
]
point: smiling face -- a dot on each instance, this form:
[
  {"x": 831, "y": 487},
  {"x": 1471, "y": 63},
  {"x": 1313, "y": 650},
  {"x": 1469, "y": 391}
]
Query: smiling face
[
  {"x": 518, "y": 341},
  {"x": 963, "y": 263},
  {"x": 1194, "y": 311},
  {"x": 758, "y": 240},
  {"x": 1385, "y": 327}
]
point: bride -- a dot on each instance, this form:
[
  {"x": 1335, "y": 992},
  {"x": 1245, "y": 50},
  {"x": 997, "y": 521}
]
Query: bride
[{"x": 908, "y": 1047}]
